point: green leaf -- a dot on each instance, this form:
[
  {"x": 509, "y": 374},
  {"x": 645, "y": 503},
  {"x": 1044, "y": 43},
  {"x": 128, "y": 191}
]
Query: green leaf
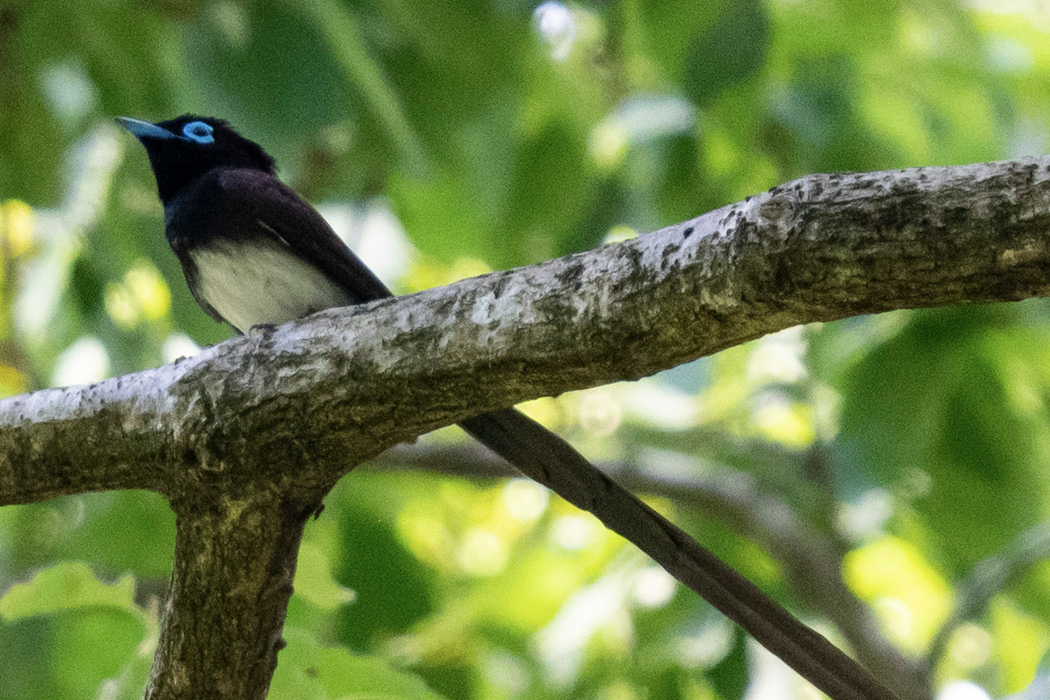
[
  {"x": 132, "y": 679},
  {"x": 347, "y": 46},
  {"x": 309, "y": 671},
  {"x": 66, "y": 586},
  {"x": 314, "y": 581},
  {"x": 932, "y": 416},
  {"x": 730, "y": 52}
]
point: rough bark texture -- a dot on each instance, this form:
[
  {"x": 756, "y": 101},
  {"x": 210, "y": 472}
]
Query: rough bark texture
[
  {"x": 245, "y": 438},
  {"x": 329, "y": 391},
  {"x": 217, "y": 637}
]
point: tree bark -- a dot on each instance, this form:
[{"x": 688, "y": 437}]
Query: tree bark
[
  {"x": 221, "y": 641},
  {"x": 344, "y": 384}
]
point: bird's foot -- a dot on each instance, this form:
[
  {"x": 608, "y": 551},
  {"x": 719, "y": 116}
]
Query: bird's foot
[
  {"x": 260, "y": 333},
  {"x": 263, "y": 329}
]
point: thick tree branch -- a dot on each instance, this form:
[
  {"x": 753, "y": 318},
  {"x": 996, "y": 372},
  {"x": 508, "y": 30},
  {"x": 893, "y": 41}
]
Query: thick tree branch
[
  {"x": 216, "y": 636},
  {"x": 344, "y": 384},
  {"x": 289, "y": 412}
]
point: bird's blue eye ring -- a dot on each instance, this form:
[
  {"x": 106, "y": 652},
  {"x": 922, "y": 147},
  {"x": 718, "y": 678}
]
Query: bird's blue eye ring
[{"x": 199, "y": 132}]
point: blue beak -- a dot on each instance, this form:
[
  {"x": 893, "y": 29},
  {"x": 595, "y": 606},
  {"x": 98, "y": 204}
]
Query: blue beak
[{"x": 144, "y": 130}]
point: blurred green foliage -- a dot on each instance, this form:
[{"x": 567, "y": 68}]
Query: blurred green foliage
[{"x": 444, "y": 139}]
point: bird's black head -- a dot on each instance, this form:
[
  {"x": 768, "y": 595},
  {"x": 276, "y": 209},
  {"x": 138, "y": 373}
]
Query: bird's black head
[{"x": 182, "y": 149}]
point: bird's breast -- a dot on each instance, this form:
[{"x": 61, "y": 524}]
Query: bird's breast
[{"x": 258, "y": 281}]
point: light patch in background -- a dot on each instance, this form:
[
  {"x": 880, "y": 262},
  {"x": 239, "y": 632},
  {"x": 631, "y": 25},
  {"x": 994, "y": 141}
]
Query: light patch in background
[
  {"x": 1008, "y": 56},
  {"x": 680, "y": 468},
  {"x": 45, "y": 275},
  {"x": 896, "y": 617},
  {"x": 142, "y": 295},
  {"x": 600, "y": 412},
  {"x": 149, "y": 289},
  {"x": 59, "y": 231},
  {"x": 826, "y": 404},
  {"x": 562, "y": 644},
  {"x": 779, "y": 357},
  {"x": 574, "y": 532},
  {"x": 91, "y": 165},
  {"x": 1037, "y": 11},
  {"x": 314, "y": 580},
  {"x": 232, "y": 22},
  {"x": 120, "y": 306},
  {"x": 70, "y": 94},
  {"x": 962, "y": 690},
  {"x": 866, "y": 517},
  {"x": 426, "y": 534},
  {"x": 639, "y": 120},
  {"x": 1029, "y": 139},
  {"x": 83, "y": 362},
  {"x": 619, "y": 234},
  {"x": 910, "y": 597},
  {"x": 1017, "y": 641},
  {"x": 375, "y": 234},
  {"x": 506, "y": 671},
  {"x": 783, "y": 420},
  {"x": 708, "y": 646},
  {"x": 178, "y": 345},
  {"x": 915, "y": 483},
  {"x": 556, "y": 25},
  {"x": 543, "y": 410},
  {"x": 970, "y": 646},
  {"x": 654, "y": 588},
  {"x": 654, "y": 403},
  {"x": 482, "y": 553},
  {"x": 772, "y": 679},
  {"x": 524, "y": 500}
]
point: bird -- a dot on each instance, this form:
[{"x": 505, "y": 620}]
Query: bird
[{"x": 256, "y": 254}]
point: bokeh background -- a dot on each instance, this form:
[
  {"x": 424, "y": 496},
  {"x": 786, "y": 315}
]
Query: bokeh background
[{"x": 893, "y": 466}]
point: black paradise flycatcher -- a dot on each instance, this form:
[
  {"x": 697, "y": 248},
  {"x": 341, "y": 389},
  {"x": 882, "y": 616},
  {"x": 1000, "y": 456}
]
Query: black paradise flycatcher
[{"x": 254, "y": 254}]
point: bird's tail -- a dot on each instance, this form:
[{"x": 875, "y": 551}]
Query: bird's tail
[
  {"x": 537, "y": 453},
  {"x": 544, "y": 457}
]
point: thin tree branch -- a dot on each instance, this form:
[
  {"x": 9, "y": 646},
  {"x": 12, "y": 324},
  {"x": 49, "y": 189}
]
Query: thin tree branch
[{"x": 990, "y": 577}]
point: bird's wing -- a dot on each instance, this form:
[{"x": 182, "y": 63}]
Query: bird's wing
[{"x": 279, "y": 213}]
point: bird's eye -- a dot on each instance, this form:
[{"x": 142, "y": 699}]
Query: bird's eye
[{"x": 199, "y": 132}]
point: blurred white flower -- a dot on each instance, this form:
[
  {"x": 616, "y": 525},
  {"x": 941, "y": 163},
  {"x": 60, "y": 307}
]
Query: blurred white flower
[{"x": 554, "y": 22}]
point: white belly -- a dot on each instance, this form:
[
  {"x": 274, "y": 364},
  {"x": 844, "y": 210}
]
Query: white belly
[{"x": 259, "y": 282}]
